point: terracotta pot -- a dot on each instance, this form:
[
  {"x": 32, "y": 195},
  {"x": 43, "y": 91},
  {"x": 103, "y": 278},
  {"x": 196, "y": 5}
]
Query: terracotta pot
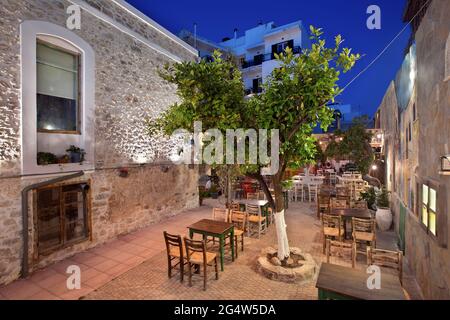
[{"x": 384, "y": 218}]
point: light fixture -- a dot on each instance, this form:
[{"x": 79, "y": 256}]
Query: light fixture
[
  {"x": 445, "y": 163},
  {"x": 374, "y": 167}
]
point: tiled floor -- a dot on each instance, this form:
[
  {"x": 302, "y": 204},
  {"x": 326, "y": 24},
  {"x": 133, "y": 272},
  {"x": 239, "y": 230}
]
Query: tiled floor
[{"x": 135, "y": 267}]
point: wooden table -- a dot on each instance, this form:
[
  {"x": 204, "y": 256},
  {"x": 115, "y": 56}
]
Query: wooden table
[
  {"x": 343, "y": 283},
  {"x": 216, "y": 229},
  {"x": 349, "y": 213}
]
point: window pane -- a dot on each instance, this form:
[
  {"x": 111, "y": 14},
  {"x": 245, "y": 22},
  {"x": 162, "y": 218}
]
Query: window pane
[
  {"x": 74, "y": 213},
  {"x": 433, "y": 199},
  {"x": 49, "y": 219},
  {"x": 425, "y": 194},
  {"x": 57, "y": 89},
  {"x": 433, "y": 222},
  {"x": 425, "y": 215}
]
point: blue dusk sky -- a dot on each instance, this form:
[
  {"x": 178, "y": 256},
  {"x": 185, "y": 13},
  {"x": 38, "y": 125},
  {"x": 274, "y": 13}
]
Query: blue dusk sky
[{"x": 216, "y": 20}]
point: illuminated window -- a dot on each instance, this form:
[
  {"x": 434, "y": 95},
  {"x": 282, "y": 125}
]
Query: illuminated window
[
  {"x": 57, "y": 89},
  {"x": 429, "y": 208}
]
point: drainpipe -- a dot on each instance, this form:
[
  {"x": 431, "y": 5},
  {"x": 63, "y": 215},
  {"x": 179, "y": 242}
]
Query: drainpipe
[{"x": 24, "y": 271}]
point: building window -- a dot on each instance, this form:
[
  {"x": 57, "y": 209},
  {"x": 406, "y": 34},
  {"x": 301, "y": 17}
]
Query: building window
[
  {"x": 62, "y": 217},
  {"x": 414, "y": 112},
  {"x": 57, "y": 101},
  {"x": 429, "y": 211},
  {"x": 281, "y": 47}
]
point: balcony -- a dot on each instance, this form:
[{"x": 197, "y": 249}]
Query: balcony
[
  {"x": 253, "y": 91},
  {"x": 259, "y": 59}
]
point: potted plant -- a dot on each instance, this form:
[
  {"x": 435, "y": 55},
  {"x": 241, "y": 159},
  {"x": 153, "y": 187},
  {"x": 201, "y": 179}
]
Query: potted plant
[
  {"x": 214, "y": 192},
  {"x": 370, "y": 197},
  {"x": 45, "y": 158},
  {"x": 383, "y": 215},
  {"x": 76, "y": 154}
]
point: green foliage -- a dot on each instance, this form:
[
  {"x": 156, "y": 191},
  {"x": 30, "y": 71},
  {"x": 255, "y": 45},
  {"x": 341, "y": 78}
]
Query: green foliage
[
  {"x": 383, "y": 198},
  {"x": 294, "y": 99},
  {"x": 353, "y": 145},
  {"x": 45, "y": 158},
  {"x": 370, "y": 197},
  {"x": 211, "y": 92}
]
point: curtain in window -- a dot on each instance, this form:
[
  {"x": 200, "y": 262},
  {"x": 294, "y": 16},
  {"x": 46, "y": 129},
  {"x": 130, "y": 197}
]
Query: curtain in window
[{"x": 57, "y": 89}]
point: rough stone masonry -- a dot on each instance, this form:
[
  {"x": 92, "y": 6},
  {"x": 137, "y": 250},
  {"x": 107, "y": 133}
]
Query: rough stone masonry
[{"x": 128, "y": 89}]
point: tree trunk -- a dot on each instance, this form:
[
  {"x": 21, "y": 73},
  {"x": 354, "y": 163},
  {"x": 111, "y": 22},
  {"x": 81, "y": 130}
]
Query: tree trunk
[
  {"x": 228, "y": 187},
  {"x": 280, "y": 223}
]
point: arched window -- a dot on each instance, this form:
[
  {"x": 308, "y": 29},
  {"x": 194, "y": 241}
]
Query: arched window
[
  {"x": 58, "y": 92},
  {"x": 447, "y": 60}
]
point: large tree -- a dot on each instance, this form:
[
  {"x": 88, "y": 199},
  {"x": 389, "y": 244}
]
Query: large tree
[{"x": 294, "y": 101}]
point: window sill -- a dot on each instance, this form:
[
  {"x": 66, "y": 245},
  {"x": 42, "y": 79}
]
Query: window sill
[
  {"x": 444, "y": 173},
  {"x": 58, "y": 168}
]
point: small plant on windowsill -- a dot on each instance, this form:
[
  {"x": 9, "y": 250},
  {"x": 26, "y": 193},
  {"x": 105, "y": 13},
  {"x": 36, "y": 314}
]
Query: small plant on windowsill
[
  {"x": 76, "y": 154},
  {"x": 46, "y": 158}
]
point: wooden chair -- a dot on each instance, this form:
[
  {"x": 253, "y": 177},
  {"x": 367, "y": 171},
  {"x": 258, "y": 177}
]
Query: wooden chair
[
  {"x": 386, "y": 258},
  {"x": 252, "y": 196},
  {"x": 220, "y": 214},
  {"x": 196, "y": 255},
  {"x": 338, "y": 204},
  {"x": 323, "y": 204},
  {"x": 339, "y": 249},
  {"x": 360, "y": 204},
  {"x": 175, "y": 251},
  {"x": 235, "y": 206},
  {"x": 364, "y": 231},
  {"x": 255, "y": 219},
  {"x": 332, "y": 227},
  {"x": 238, "y": 219}
]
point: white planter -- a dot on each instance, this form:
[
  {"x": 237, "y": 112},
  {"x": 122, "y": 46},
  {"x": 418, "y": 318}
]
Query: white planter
[{"x": 384, "y": 218}]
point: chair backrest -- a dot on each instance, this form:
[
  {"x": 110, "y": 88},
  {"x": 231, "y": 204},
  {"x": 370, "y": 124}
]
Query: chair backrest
[
  {"x": 324, "y": 200},
  {"x": 220, "y": 214},
  {"x": 261, "y": 195},
  {"x": 238, "y": 218},
  {"x": 174, "y": 241},
  {"x": 363, "y": 225},
  {"x": 252, "y": 210},
  {"x": 235, "y": 206},
  {"x": 360, "y": 204},
  {"x": 332, "y": 221},
  {"x": 252, "y": 196},
  {"x": 339, "y": 203},
  {"x": 386, "y": 258},
  {"x": 193, "y": 246},
  {"x": 338, "y": 248}
]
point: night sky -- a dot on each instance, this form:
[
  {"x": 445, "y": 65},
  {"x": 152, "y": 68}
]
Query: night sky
[{"x": 217, "y": 19}]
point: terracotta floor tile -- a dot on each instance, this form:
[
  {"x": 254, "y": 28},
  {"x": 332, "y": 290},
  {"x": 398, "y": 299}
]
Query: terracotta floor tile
[
  {"x": 54, "y": 279},
  {"x": 118, "y": 270},
  {"x": 44, "y": 295},
  {"x": 98, "y": 281},
  {"x": 19, "y": 290},
  {"x": 94, "y": 261},
  {"x": 106, "y": 265},
  {"x": 123, "y": 257},
  {"x": 77, "y": 293}
]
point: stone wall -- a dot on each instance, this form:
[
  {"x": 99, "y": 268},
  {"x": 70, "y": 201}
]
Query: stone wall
[
  {"x": 428, "y": 259},
  {"x": 431, "y": 262},
  {"x": 128, "y": 89}
]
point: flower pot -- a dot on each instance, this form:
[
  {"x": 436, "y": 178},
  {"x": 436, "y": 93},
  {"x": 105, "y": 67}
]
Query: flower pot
[
  {"x": 75, "y": 157},
  {"x": 384, "y": 218}
]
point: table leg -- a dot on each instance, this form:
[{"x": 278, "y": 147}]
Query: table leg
[
  {"x": 222, "y": 251},
  {"x": 232, "y": 243}
]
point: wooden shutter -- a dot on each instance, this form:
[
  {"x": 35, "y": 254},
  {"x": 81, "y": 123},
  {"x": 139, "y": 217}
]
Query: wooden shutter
[{"x": 442, "y": 224}]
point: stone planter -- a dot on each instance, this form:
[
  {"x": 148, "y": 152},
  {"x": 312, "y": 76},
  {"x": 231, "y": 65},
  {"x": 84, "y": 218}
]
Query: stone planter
[{"x": 384, "y": 218}]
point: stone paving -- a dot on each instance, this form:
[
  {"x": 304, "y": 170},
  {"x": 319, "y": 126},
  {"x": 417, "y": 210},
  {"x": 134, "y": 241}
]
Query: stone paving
[{"x": 135, "y": 266}]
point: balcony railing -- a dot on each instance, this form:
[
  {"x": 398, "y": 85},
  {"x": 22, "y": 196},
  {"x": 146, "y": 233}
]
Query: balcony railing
[
  {"x": 259, "y": 59},
  {"x": 253, "y": 91}
]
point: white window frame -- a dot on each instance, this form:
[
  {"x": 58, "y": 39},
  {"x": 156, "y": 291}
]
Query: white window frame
[{"x": 30, "y": 31}]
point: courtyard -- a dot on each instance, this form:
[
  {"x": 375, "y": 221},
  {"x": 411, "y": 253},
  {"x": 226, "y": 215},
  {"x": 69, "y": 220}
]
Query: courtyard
[{"x": 135, "y": 266}]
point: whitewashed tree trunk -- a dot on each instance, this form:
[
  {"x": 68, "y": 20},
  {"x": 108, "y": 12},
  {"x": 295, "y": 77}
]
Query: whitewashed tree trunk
[{"x": 283, "y": 243}]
